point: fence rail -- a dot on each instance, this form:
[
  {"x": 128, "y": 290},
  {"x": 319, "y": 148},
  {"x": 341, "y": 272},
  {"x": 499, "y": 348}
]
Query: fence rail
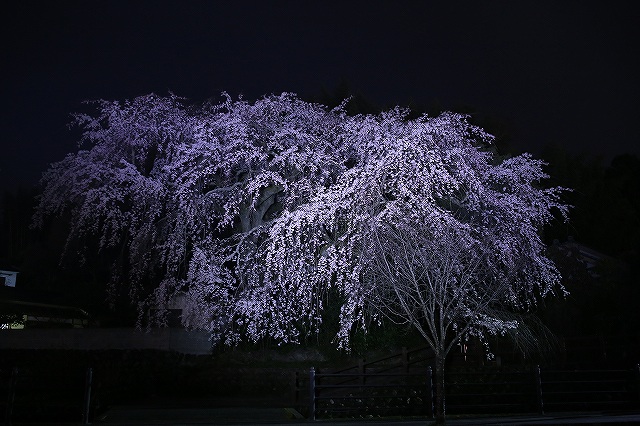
[{"x": 356, "y": 392}]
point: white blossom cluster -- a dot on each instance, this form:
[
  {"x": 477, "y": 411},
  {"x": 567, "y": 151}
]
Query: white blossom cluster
[{"x": 259, "y": 213}]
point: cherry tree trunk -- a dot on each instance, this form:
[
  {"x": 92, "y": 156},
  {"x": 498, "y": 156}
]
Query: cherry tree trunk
[{"x": 440, "y": 396}]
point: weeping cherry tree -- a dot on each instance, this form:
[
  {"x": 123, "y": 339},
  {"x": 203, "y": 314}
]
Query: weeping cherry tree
[{"x": 256, "y": 214}]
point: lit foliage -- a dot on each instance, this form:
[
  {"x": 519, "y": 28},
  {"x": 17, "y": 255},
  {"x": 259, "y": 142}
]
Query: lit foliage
[{"x": 257, "y": 213}]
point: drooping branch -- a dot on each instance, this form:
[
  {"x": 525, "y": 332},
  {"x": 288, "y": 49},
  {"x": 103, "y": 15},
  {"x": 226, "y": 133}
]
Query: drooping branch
[{"x": 255, "y": 212}]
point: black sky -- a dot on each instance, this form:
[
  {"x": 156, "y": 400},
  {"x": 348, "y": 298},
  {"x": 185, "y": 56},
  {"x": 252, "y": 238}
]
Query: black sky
[{"x": 553, "y": 72}]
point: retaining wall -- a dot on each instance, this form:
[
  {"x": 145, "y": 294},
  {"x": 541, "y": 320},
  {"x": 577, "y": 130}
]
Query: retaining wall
[{"x": 168, "y": 339}]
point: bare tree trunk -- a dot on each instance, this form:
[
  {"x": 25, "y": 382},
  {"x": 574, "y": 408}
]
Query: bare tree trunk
[{"x": 440, "y": 397}]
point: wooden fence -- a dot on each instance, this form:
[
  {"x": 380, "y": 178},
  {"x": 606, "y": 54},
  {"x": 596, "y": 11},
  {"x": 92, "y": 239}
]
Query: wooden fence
[
  {"x": 372, "y": 394},
  {"x": 403, "y": 386}
]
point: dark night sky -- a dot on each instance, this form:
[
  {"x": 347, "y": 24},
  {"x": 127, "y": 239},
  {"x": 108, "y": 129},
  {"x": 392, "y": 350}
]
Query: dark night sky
[{"x": 557, "y": 72}]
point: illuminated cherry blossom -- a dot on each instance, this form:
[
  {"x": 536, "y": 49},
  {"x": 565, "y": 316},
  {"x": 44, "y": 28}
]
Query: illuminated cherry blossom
[{"x": 255, "y": 213}]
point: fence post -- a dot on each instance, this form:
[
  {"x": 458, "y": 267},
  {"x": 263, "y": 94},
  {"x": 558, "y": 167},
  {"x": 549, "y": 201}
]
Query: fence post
[
  {"x": 429, "y": 395},
  {"x": 312, "y": 394},
  {"x": 8, "y": 412},
  {"x": 405, "y": 360},
  {"x": 87, "y": 396},
  {"x": 538, "y": 382},
  {"x": 296, "y": 390},
  {"x": 638, "y": 383}
]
